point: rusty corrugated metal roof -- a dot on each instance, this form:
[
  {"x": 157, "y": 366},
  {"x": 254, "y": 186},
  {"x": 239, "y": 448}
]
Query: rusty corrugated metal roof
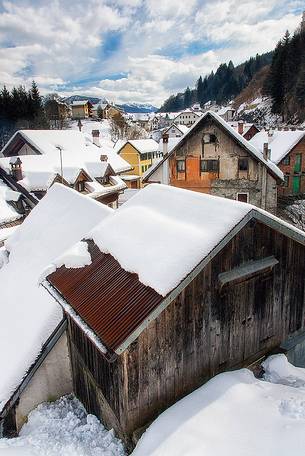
[{"x": 110, "y": 300}]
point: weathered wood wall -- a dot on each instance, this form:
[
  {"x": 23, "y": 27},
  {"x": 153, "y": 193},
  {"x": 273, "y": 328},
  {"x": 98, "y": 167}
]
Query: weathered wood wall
[{"x": 206, "y": 330}]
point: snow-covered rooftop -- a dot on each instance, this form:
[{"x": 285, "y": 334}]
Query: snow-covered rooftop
[
  {"x": 78, "y": 153},
  {"x": 144, "y": 145},
  {"x": 28, "y": 314},
  {"x": 181, "y": 243},
  {"x": 7, "y": 211},
  {"x": 280, "y": 142}
]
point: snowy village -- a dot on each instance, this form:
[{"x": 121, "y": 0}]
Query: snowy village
[{"x": 152, "y": 228}]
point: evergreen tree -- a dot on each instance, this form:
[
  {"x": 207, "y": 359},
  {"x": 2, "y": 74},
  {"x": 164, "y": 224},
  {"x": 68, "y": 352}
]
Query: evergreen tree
[{"x": 187, "y": 98}]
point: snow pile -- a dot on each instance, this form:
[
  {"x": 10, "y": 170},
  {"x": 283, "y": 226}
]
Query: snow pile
[
  {"x": 28, "y": 314},
  {"x": 279, "y": 370},
  {"x": 171, "y": 229},
  {"x": 234, "y": 414},
  {"x": 62, "y": 428}
]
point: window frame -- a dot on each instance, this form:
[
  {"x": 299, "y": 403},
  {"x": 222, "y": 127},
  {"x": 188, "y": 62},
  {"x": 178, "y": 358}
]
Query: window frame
[
  {"x": 242, "y": 193},
  {"x": 208, "y": 169},
  {"x": 180, "y": 160}
]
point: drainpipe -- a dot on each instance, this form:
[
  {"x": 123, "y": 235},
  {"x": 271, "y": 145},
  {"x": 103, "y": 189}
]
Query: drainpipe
[{"x": 264, "y": 177}]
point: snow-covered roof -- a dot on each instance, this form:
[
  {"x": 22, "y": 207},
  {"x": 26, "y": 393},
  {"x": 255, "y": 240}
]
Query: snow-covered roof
[
  {"x": 233, "y": 133},
  {"x": 79, "y": 103},
  {"x": 78, "y": 153},
  {"x": 7, "y": 211},
  {"x": 172, "y": 142},
  {"x": 187, "y": 111},
  {"x": 224, "y": 110},
  {"x": 182, "y": 128},
  {"x": 28, "y": 314},
  {"x": 143, "y": 146},
  {"x": 280, "y": 142}
]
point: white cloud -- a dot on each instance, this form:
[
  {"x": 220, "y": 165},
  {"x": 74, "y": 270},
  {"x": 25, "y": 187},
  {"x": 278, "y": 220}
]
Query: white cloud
[{"x": 60, "y": 42}]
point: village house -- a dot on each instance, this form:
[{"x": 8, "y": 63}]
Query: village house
[
  {"x": 36, "y": 159},
  {"x": 34, "y": 356},
  {"x": 176, "y": 130},
  {"x": 15, "y": 204},
  {"x": 213, "y": 158},
  {"x": 108, "y": 110},
  {"x": 227, "y": 113},
  {"x": 247, "y": 130},
  {"x": 153, "y": 317},
  {"x": 287, "y": 150},
  {"x": 140, "y": 154},
  {"x": 57, "y": 112},
  {"x": 187, "y": 117},
  {"x": 81, "y": 109}
]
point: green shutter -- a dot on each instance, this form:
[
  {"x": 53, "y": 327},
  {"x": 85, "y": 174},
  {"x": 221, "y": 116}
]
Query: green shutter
[
  {"x": 296, "y": 184},
  {"x": 298, "y": 163}
]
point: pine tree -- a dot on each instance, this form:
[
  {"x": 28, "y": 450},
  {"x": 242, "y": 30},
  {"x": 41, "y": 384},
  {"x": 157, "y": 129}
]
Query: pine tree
[{"x": 187, "y": 98}]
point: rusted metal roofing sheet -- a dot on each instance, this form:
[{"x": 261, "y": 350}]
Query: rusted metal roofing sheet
[{"x": 110, "y": 300}]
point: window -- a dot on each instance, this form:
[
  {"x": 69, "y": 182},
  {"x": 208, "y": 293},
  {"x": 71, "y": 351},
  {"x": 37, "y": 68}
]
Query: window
[
  {"x": 286, "y": 181},
  {"x": 209, "y": 138},
  {"x": 180, "y": 164},
  {"x": 286, "y": 160},
  {"x": 243, "y": 164},
  {"x": 243, "y": 197},
  {"x": 209, "y": 166},
  {"x": 143, "y": 156},
  {"x": 143, "y": 169},
  {"x": 81, "y": 186}
]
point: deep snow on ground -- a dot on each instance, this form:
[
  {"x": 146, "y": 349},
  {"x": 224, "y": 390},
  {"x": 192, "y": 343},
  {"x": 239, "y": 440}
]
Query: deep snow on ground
[
  {"x": 62, "y": 428},
  {"x": 235, "y": 414}
]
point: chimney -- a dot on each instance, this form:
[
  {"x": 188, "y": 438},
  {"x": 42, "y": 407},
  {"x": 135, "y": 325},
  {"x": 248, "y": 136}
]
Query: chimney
[
  {"x": 96, "y": 137},
  {"x": 240, "y": 127},
  {"x": 270, "y": 133},
  {"x": 266, "y": 151},
  {"x": 16, "y": 169},
  {"x": 165, "y": 143},
  {"x": 103, "y": 158},
  {"x": 79, "y": 124}
]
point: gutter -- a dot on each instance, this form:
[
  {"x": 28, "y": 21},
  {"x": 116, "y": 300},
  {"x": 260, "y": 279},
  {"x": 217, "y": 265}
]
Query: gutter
[{"x": 47, "y": 347}]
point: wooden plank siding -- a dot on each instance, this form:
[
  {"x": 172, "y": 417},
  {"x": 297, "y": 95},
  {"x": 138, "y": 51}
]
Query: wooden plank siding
[{"x": 207, "y": 329}]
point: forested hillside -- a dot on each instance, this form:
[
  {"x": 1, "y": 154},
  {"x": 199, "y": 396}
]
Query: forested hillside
[
  {"x": 223, "y": 85},
  {"x": 285, "y": 81}
]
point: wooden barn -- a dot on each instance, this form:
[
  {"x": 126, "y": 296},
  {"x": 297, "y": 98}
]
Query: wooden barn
[{"x": 220, "y": 287}]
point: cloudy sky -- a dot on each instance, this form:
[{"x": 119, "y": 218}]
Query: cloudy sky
[{"x": 133, "y": 50}]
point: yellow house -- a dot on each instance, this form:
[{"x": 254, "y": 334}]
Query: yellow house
[
  {"x": 81, "y": 109},
  {"x": 140, "y": 154}
]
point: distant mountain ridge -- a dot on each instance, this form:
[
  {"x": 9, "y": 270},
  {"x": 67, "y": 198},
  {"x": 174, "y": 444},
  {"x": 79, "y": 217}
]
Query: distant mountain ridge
[
  {"x": 138, "y": 107},
  {"x": 72, "y": 98}
]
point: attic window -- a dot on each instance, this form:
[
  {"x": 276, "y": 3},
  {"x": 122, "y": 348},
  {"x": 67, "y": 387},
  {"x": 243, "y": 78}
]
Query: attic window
[
  {"x": 81, "y": 186},
  {"x": 209, "y": 138}
]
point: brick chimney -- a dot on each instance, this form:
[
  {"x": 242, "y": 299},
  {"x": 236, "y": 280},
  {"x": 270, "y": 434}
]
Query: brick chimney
[
  {"x": 96, "y": 137},
  {"x": 240, "y": 127},
  {"x": 165, "y": 143},
  {"x": 103, "y": 158},
  {"x": 16, "y": 169}
]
